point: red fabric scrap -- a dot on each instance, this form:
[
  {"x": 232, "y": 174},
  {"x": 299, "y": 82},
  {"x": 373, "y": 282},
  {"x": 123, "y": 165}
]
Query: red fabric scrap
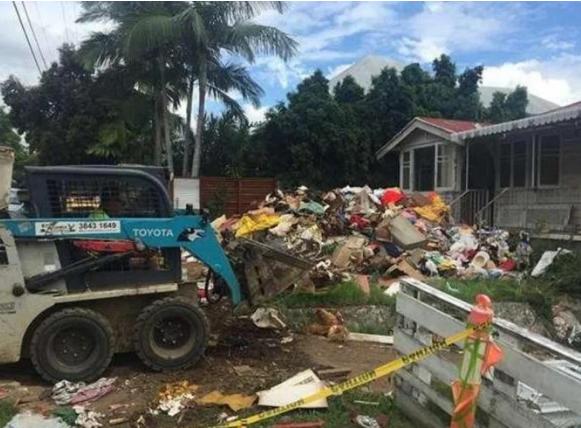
[
  {"x": 392, "y": 196},
  {"x": 508, "y": 265},
  {"x": 358, "y": 221}
]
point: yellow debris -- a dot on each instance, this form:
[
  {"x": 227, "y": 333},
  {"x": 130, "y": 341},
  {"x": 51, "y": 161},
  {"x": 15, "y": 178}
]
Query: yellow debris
[
  {"x": 435, "y": 211},
  {"x": 253, "y": 223},
  {"x": 234, "y": 401}
]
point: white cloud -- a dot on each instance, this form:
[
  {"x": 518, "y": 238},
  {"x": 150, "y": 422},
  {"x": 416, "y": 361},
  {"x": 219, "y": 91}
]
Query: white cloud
[
  {"x": 322, "y": 29},
  {"x": 554, "y": 42},
  {"x": 453, "y": 27},
  {"x": 254, "y": 114},
  {"x": 54, "y": 24},
  {"x": 557, "y": 79}
]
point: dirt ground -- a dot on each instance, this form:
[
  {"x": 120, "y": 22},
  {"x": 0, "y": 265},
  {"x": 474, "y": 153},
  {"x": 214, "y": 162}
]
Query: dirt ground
[{"x": 234, "y": 342}]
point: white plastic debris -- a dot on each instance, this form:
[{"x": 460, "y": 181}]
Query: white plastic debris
[
  {"x": 393, "y": 289},
  {"x": 366, "y": 421},
  {"x": 267, "y": 318},
  {"x": 298, "y": 386},
  {"x": 174, "y": 405},
  {"x": 87, "y": 418},
  {"x": 33, "y": 420},
  {"x": 65, "y": 392},
  {"x": 547, "y": 260}
]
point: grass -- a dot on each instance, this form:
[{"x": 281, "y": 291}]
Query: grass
[
  {"x": 343, "y": 294},
  {"x": 369, "y": 328},
  {"x": 342, "y": 408},
  {"x": 7, "y": 411},
  {"x": 537, "y": 293}
]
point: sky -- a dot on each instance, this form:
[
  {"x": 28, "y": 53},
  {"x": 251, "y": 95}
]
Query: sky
[{"x": 535, "y": 44}]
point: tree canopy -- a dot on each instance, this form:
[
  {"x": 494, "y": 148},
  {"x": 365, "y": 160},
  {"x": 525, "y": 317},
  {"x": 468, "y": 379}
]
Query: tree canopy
[
  {"x": 323, "y": 139},
  {"x": 74, "y": 117},
  {"x": 119, "y": 108}
]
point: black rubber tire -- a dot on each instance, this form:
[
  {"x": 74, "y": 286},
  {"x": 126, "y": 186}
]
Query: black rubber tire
[
  {"x": 93, "y": 325},
  {"x": 151, "y": 353}
]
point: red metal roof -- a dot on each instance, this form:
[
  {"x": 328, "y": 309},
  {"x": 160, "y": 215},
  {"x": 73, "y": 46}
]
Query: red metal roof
[{"x": 452, "y": 126}]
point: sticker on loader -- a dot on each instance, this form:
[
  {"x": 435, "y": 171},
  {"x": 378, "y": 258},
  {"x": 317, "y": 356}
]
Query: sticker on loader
[{"x": 75, "y": 227}]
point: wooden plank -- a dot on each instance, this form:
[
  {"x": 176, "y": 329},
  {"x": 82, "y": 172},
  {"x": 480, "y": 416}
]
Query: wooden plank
[
  {"x": 553, "y": 383},
  {"x": 444, "y": 403},
  {"x": 238, "y": 194},
  {"x": 413, "y": 410},
  {"x": 498, "y": 405},
  {"x": 501, "y": 324},
  {"x": 439, "y": 400},
  {"x": 375, "y": 338}
]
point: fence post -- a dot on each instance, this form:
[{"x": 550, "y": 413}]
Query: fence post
[{"x": 480, "y": 353}]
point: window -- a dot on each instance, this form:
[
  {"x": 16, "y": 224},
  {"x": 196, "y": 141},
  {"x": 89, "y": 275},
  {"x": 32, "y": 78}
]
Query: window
[
  {"x": 519, "y": 164},
  {"x": 424, "y": 168},
  {"x": 513, "y": 161},
  {"x": 445, "y": 166},
  {"x": 548, "y": 161},
  {"x": 428, "y": 168},
  {"x": 505, "y": 164},
  {"x": 406, "y": 169}
]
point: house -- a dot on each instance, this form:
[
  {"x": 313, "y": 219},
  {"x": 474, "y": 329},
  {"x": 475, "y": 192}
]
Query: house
[{"x": 522, "y": 174}]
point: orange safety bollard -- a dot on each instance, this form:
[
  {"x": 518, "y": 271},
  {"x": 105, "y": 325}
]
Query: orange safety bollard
[{"x": 480, "y": 354}]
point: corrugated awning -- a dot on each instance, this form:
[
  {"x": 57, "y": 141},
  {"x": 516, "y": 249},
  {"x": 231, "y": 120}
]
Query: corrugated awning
[{"x": 562, "y": 114}]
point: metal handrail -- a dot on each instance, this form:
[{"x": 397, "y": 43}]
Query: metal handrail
[
  {"x": 479, "y": 213},
  {"x": 458, "y": 198}
]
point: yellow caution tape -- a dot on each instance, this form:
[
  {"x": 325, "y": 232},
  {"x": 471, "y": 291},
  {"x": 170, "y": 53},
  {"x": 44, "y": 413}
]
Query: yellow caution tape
[{"x": 360, "y": 380}]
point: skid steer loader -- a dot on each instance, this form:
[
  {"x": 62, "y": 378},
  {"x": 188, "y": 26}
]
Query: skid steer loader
[{"x": 93, "y": 267}]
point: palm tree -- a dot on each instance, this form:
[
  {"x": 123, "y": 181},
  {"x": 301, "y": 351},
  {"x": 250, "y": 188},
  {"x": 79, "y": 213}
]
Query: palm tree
[
  {"x": 145, "y": 35},
  {"x": 177, "y": 44},
  {"x": 216, "y": 27}
]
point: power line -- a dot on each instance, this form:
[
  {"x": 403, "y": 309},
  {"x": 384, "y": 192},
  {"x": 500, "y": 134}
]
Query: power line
[
  {"x": 27, "y": 39},
  {"x": 42, "y": 27},
  {"x": 65, "y": 22},
  {"x": 34, "y": 34},
  {"x": 71, "y": 13}
]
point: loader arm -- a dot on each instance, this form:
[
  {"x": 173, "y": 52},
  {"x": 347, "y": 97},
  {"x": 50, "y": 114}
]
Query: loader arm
[{"x": 189, "y": 232}]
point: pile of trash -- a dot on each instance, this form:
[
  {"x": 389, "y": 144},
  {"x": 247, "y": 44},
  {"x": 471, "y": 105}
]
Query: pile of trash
[{"x": 383, "y": 232}]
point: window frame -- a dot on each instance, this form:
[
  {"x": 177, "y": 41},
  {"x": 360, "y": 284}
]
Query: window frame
[
  {"x": 512, "y": 144},
  {"x": 452, "y": 163},
  {"x": 411, "y": 151},
  {"x": 410, "y": 169},
  {"x": 537, "y": 161}
]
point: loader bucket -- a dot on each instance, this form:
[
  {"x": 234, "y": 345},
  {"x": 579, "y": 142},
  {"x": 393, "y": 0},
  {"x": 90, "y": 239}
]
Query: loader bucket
[{"x": 268, "y": 271}]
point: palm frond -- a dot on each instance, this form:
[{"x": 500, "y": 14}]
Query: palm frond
[
  {"x": 95, "y": 11},
  {"x": 147, "y": 33},
  {"x": 248, "y": 38},
  {"x": 244, "y": 10},
  {"x": 234, "y": 76},
  {"x": 193, "y": 24},
  {"x": 99, "y": 49},
  {"x": 231, "y": 104}
]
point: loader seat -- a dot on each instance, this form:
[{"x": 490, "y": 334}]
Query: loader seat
[{"x": 81, "y": 191}]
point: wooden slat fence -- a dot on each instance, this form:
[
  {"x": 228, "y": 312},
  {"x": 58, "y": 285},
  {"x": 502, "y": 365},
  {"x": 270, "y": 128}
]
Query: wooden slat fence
[
  {"x": 233, "y": 195},
  {"x": 531, "y": 363}
]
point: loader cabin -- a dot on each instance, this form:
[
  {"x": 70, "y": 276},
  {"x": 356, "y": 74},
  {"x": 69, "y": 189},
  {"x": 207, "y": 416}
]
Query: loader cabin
[
  {"x": 100, "y": 192},
  {"x": 521, "y": 174}
]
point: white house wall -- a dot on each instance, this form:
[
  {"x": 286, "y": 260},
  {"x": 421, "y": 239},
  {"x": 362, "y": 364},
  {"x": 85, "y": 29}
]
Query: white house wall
[
  {"x": 417, "y": 139},
  {"x": 420, "y": 138},
  {"x": 547, "y": 209}
]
